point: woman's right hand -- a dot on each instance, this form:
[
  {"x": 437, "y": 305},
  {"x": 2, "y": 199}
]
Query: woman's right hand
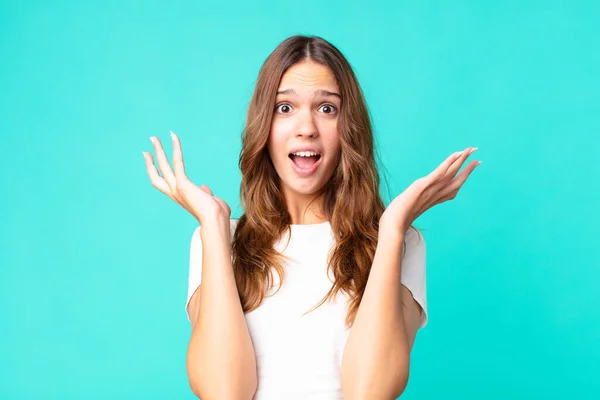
[{"x": 198, "y": 201}]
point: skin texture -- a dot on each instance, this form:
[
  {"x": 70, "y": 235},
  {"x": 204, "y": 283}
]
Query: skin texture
[
  {"x": 221, "y": 362},
  {"x": 302, "y": 118},
  {"x": 376, "y": 359},
  {"x": 375, "y": 365}
]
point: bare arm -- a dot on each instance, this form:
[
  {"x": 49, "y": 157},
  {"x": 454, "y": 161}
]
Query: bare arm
[
  {"x": 376, "y": 359},
  {"x": 220, "y": 361}
]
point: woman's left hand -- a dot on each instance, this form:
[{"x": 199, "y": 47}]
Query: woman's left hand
[{"x": 440, "y": 185}]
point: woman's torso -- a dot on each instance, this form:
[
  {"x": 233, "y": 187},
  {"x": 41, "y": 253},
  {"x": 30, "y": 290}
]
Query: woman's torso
[{"x": 300, "y": 356}]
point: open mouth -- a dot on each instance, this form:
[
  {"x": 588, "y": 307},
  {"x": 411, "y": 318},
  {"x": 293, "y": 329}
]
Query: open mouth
[{"x": 305, "y": 163}]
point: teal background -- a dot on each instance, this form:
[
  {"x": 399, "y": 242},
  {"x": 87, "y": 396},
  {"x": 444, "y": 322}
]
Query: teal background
[{"x": 94, "y": 260}]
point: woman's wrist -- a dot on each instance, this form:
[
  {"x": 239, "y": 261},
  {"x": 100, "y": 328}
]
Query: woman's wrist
[
  {"x": 215, "y": 228},
  {"x": 390, "y": 230},
  {"x": 389, "y": 237}
]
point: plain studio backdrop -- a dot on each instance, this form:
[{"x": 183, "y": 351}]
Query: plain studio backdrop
[{"x": 94, "y": 260}]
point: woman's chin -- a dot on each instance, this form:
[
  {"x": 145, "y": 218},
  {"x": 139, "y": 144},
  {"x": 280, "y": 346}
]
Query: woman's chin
[{"x": 305, "y": 189}]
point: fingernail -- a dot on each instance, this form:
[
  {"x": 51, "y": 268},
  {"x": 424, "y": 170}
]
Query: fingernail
[
  {"x": 172, "y": 135},
  {"x": 478, "y": 162},
  {"x": 473, "y": 150},
  {"x": 152, "y": 139},
  {"x": 144, "y": 154}
]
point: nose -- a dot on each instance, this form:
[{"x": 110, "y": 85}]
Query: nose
[{"x": 306, "y": 125}]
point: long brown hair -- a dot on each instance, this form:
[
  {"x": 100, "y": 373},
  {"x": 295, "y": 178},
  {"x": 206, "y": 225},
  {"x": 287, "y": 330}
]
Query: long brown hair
[{"x": 353, "y": 204}]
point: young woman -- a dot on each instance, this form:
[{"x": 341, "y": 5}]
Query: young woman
[{"x": 318, "y": 289}]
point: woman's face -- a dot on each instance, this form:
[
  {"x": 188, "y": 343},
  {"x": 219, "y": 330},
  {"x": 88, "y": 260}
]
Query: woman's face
[{"x": 304, "y": 144}]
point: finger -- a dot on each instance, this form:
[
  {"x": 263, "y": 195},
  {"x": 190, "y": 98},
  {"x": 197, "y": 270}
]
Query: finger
[
  {"x": 455, "y": 167},
  {"x": 439, "y": 201},
  {"x": 156, "y": 180},
  {"x": 163, "y": 162},
  {"x": 223, "y": 205},
  {"x": 159, "y": 183},
  {"x": 178, "y": 157},
  {"x": 460, "y": 179},
  {"x": 206, "y": 189},
  {"x": 440, "y": 179},
  {"x": 450, "y": 191},
  {"x": 436, "y": 180},
  {"x": 441, "y": 170}
]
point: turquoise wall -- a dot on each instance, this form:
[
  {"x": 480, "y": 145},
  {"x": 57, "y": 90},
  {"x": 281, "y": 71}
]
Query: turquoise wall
[{"x": 94, "y": 260}]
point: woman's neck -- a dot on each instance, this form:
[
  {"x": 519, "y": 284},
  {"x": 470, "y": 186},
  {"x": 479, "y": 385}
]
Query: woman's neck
[{"x": 305, "y": 209}]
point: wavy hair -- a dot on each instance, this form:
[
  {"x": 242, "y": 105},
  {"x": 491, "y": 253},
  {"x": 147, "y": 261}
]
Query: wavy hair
[{"x": 353, "y": 205}]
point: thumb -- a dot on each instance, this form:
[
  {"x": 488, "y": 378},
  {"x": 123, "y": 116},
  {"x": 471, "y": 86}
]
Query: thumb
[
  {"x": 224, "y": 205},
  {"x": 206, "y": 189}
]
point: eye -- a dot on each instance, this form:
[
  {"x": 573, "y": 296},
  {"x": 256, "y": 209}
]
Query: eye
[
  {"x": 281, "y": 106},
  {"x": 332, "y": 109}
]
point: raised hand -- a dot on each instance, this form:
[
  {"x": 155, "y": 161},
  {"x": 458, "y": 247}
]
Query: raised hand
[
  {"x": 198, "y": 201},
  {"x": 440, "y": 185}
]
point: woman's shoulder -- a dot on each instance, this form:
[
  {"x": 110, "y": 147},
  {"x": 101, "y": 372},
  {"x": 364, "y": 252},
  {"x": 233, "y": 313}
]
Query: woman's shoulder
[
  {"x": 415, "y": 241},
  {"x": 233, "y": 222}
]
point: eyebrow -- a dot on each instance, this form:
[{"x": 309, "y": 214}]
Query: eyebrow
[{"x": 322, "y": 92}]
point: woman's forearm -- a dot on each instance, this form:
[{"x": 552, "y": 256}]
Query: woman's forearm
[
  {"x": 376, "y": 357},
  {"x": 221, "y": 357}
]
